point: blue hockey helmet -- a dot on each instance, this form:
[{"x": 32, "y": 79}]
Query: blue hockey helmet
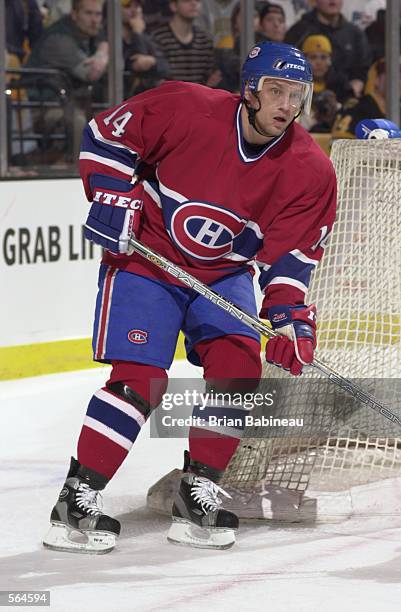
[
  {"x": 378, "y": 129},
  {"x": 279, "y": 61}
]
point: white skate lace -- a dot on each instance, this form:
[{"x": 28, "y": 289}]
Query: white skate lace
[
  {"x": 206, "y": 493},
  {"x": 88, "y": 499}
]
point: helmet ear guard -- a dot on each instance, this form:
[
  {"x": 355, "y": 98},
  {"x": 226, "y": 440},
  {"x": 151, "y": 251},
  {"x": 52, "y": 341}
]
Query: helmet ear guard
[{"x": 277, "y": 61}]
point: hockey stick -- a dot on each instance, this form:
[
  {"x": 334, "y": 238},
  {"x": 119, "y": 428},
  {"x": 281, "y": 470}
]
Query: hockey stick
[{"x": 210, "y": 294}]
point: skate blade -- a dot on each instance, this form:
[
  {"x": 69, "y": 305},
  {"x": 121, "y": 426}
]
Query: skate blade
[
  {"x": 185, "y": 533},
  {"x": 64, "y": 538}
]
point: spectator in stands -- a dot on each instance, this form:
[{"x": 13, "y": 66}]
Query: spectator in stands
[
  {"x": 232, "y": 40},
  {"x": 351, "y": 53},
  {"x": 23, "y": 27},
  {"x": 326, "y": 82},
  {"x": 375, "y": 33},
  {"x": 227, "y": 54},
  {"x": 53, "y": 10},
  {"x": 142, "y": 58},
  {"x": 294, "y": 9},
  {"x": 155, "y": 12},
  {"x": 216, "y": 18},
  {"x": 371, "y": 106},
  {"x": 272, "y": 24},
  {"x": 362, "y": 12},
  {"x": 318, "y": 50},
  {"x": 76, "y": 46},
  {"x": 188, "y": 49}
]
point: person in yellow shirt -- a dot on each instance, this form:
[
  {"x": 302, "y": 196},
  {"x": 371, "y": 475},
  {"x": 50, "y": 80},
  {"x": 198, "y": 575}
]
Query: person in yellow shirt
[
  {"x": 371, "y": 106},
  {"x": 330, "y": 88},
  {"x": 318, "y": 50}
]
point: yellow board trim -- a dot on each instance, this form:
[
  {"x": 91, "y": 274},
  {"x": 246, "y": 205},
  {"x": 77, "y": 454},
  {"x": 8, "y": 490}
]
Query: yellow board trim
[
  {"x": 69, "y": 355},
  {"x": 51, "y": 357}
]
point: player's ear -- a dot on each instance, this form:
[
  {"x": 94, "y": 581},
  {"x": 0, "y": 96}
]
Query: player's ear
[{"x": 249, "y": 97}]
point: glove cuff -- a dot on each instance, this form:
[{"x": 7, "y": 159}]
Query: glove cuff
[{"x": 285, "y": 314}]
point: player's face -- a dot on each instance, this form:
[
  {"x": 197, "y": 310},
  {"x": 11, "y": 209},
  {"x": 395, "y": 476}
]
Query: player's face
[
  {"x": 279, "y": 101},
  {"x": 273, "y": 25},
  {"x": 186, "y": 9},
  {"x": 320, "y": 63},
  {"x": 329, "y": 8},
  {"x": 131, "y": 11},
  {"x": 88, "y": 17}
]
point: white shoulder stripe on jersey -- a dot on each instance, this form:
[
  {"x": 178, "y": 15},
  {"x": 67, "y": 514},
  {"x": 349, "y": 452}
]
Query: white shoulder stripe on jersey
[
  {"x": 286, "y": 280},
  {"x": 264, "y": 266},
  {"x": 96, "y": 132},
  {"x": 302, "y": 257},
  {"x": 255, "y": 227},
  {"x": 236, "y": 257},
  {"x": 108, "y": 432},
  {"x": 178, "y": 197},
  {"x": 106, "y": 161},
  {"x": 125, "y": 407},
  {"x": 152, "y": 193}
]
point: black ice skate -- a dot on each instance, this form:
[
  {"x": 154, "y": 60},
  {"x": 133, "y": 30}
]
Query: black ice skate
[
  {"x": 77, "y": 522},
  {"x": 198, "y": 520}
]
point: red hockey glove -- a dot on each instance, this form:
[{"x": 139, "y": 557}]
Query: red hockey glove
[{"x": 294, "y": 348}]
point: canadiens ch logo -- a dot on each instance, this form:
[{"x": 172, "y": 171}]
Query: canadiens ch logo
[
  {"x": 138, "y": 336},
  {"x": 205, "y": 231},
  {"x": 254, "y": 52}
]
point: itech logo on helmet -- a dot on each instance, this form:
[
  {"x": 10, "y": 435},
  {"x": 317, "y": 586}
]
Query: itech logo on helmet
[
  {"x": 254, "y": 52},
  {"x": 282, "y": 64}
]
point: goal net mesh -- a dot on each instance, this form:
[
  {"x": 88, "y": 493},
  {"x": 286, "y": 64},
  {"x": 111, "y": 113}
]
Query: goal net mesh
[{"x": 357, "y": 289}]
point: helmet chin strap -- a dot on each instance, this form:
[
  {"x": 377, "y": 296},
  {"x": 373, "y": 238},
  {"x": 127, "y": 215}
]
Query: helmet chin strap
[{"x": 252, "y": 118}]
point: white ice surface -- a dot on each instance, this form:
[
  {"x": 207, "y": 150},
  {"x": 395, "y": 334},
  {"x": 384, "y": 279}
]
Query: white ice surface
[{"x": 348, "y": 567}]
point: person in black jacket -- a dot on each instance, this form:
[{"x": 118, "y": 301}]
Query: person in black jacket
[
  {"x": 142, "y": 58},
  {"x": 23, "y": 24},
  {"x": 376, "y": 34},
  {"x": 351, "y": 52}
]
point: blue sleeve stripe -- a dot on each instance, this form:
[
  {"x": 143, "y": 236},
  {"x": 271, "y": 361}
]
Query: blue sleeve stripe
[
  {"x": 90, "y": 145},
  {"x": 287, "y": 280},
  {"x": 287, "y": 267},
  {"x": 106, "y": 161},
  {"x": 302, "y": 257},
  {"x": 152, "y": 190},
  {"x": 100, "y": 138},
  {"x": 248, "y": 243}
]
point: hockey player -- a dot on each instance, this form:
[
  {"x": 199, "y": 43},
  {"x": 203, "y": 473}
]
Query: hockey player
[{"x": 213, "y": 181}]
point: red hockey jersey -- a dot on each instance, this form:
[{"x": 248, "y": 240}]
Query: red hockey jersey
[{"x": 214, "y": 205}]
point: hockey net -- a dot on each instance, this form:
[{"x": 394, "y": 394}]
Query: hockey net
[{"x": 357, "y": 289}]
